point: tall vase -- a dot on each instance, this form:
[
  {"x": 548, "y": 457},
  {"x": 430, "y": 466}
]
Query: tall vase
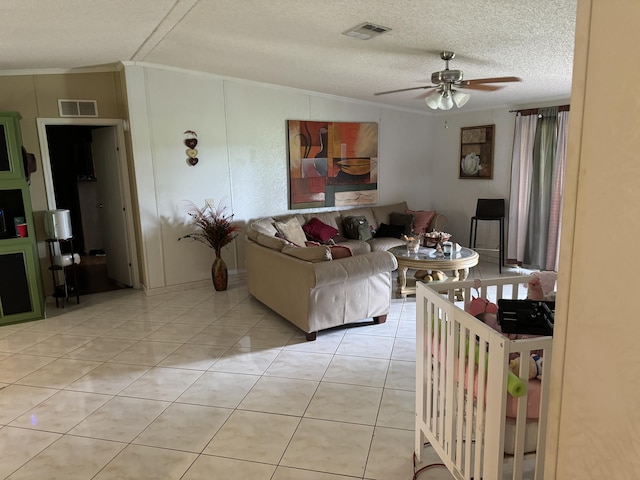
[{"x": 219, "y": 273}]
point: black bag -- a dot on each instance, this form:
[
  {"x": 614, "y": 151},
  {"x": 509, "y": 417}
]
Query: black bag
[
  {"x": 356, "y": 228},
  {"x": 532, "y": 317}
]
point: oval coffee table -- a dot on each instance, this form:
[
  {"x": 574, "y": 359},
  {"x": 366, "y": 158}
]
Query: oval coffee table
[{"x": 459, "y": 263}]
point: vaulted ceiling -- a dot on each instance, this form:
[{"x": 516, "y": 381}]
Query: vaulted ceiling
[{"x": 299, "y": 43}]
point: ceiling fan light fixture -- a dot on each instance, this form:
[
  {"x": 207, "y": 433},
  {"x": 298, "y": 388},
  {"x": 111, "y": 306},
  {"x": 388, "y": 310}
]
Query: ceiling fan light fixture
[
  {"x": 433, "y": 101},
  {"x": 444, "y": 82},
  {"x": 460, "y": 98},
  {"x": 446, "y": 102}
]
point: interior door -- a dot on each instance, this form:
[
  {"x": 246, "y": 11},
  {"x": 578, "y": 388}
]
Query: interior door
[{"x": 111, "y": 203}]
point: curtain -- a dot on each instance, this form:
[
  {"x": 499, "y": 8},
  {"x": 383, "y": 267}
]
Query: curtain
[
  {"x": 537, "y": 179},
  {"x": 555, "y": 210},
  {"x": 544, "y": 154},
  {"x": 521, "y": 167}
]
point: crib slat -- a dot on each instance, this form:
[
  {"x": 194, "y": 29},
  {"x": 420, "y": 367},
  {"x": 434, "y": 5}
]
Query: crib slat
[
  {"x": 459, "y": 389},
  {"x": 468, "y": 409},
  {"x": 544, "y": 409},
  {"x": 480, "y": 420},
  {"x": 423, "y": 354},
  {"x": 521, "y": 418}
]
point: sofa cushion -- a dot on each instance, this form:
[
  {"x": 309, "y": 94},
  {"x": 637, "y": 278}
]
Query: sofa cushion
[
  {"x": 383, "y": 213},
  {"x": 393, "y": 231},
  {"x": 292, "y": 231},
  {"x": 383, "y": 244},
  {"x": 404, "y": 219},
  {"x": 309, "y": 254},
  {"x": 318, "y": 230},
  {"x": 264, "y": 225},
  {"x": 271, "y": 242},
  {"x": 421, "y": 219},
  {"x": 357, "y": 247},
  {"x": 252, "y": 234}
]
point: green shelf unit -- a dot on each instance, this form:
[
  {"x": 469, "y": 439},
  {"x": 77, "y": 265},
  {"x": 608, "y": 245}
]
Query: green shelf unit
[{"x": 21, "y": 293}]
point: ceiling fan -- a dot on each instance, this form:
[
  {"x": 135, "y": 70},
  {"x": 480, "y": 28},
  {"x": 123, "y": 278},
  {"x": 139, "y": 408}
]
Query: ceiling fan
[{"x": 446, "y": 84}]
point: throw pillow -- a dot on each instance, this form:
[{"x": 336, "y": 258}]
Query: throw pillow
[
  {"x": 404, "y": 219},
  {"x": 268, "y": 241},
  {"x": 383, "y": 212},
  {"x": 356, "y": 228},
  {"x": 340, "y": 251},
  {"x": 392, "y": 231},
  {"x": 318, "y": 230},
  {"x": 264, "y": 225},
  {"x": 292, "y": 231},
  {"x": 309, "y": 254},
  {"x": 421, "y": 220}
]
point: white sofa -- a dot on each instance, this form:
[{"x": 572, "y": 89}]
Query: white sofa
[{"x": 310, "y": 288}]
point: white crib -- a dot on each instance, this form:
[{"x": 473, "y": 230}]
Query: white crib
[{"x": 462, "y": 406}]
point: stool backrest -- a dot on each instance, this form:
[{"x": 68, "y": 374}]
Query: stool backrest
[{"x": 490, "y": 208}]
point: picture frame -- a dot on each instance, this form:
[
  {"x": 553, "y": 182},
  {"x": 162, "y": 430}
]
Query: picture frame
[
  {"x": 475, "y": 160},
  {"x": 332, "y": 164}
]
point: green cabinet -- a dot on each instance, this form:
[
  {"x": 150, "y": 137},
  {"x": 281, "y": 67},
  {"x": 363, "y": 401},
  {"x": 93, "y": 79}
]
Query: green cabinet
[{"x": 21, "y": 294}]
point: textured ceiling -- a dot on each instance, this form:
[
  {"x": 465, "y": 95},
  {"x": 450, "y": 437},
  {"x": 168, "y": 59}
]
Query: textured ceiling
[{"x": 298, "y": 43}]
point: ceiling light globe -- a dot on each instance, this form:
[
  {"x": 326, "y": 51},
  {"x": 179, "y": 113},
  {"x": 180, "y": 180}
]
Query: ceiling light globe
[
  {"x": 446, "y": 102},
  {"x": 460, "y": 98},
  {"x": 432, "y": 101}
]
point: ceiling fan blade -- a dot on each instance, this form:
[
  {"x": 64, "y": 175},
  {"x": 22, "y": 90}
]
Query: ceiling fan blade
[
  {"x": 484, "y": 88},
  {"x": 407, "y": 89},
  {"x": 490, "y": 80}
]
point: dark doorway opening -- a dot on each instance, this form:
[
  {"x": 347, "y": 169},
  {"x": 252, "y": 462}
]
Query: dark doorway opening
[{"x": 76, "y": 189}]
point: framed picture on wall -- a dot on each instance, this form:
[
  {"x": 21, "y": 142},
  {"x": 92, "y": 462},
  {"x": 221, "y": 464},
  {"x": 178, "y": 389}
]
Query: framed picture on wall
[
  {"x": 332, "y": 164},
  {"x": 476, "y": 152}
]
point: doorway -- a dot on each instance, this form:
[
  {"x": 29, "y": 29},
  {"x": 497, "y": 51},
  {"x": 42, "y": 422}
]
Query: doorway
[{"x": 85, "y": 172}]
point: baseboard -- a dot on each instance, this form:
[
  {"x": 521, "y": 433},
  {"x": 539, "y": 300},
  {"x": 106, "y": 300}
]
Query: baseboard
[{"x": 185, "y": 286}]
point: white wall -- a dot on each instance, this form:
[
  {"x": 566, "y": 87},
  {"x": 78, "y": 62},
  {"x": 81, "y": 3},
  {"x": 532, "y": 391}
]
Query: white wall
[
  {"x": 457, "y": 197},
  {"x": 242, "y": 158},
  {"x": 594, "y": 416},
  {"x": 241, "y": 130}
]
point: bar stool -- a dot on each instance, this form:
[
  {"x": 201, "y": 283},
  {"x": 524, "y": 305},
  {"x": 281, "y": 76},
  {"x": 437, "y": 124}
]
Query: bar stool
[{"x": 491, "y": 209}]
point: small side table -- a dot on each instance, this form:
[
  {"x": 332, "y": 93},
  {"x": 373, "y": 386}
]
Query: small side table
[{"x": 62, "y": 288}]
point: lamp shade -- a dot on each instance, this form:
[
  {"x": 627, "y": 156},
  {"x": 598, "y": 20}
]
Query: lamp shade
[
  {"x": 57, "y": 224},
  {"x": 460, "y": 98},
  {"x": 446, "y": 102},
  {"x": 445, "y": 99},
  {"x": 433, "y": 101}
]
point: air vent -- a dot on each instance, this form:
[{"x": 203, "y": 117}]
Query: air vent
[
  {"x": 366, "y": 31},
  {"x": 78, "y": 108}
]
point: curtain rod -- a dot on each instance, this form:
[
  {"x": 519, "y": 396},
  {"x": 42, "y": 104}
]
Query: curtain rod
[{"x": 533, "y": 111}]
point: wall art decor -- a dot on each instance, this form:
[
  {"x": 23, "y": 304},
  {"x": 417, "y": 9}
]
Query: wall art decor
[
  {"x": 191, "y": 140},
  {"x": 476, "y": 152},
  {"x": 332, "y": 163}
]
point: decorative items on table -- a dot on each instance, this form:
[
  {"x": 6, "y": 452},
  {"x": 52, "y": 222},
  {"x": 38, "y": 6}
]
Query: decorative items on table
[
  {"x": 191, "y": 140},
  {"x": 433, "y": 239},
  {"x": 413, "y": 243},
  {"x": 214, "y": 228}
]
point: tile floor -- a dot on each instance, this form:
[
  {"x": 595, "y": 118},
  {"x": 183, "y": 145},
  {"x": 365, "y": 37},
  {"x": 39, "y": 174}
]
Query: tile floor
[{"x": 201, "y": 385}]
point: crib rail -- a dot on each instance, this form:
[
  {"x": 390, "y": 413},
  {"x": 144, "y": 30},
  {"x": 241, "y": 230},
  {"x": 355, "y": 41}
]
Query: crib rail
[{"x": 461, "y": 385}]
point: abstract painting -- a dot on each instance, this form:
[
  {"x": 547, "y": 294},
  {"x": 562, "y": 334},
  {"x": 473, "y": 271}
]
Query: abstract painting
[{"x": 332, "y": 164}]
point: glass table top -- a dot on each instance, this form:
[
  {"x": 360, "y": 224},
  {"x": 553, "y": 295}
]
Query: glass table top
[{"x": 428, "y": 253}]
